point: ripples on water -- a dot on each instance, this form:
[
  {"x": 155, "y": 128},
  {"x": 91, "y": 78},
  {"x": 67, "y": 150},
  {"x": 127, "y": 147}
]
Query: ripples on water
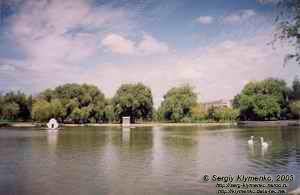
[{"x": 169, "y": 160}]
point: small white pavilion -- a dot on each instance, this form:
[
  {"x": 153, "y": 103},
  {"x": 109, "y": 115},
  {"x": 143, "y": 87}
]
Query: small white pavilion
[{"x": 52, "y": 124}]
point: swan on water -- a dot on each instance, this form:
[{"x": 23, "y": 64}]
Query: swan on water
[
  {"x": 263, "y": 143},
  {"x": 250, "y": 141}
]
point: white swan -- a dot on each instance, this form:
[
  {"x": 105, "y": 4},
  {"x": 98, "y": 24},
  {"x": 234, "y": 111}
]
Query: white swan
[
  {"x": 250, "y": 141},
  {"x": 263, "y": 144}
]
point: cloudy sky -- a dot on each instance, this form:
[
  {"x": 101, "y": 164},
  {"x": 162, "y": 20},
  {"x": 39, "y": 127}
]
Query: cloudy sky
[{"x": 216, "y": 46}]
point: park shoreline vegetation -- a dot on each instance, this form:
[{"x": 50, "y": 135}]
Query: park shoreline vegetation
[{"x": 267, "y": 100}]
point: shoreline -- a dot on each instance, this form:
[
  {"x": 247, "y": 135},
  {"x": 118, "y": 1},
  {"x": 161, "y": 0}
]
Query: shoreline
[
  {"x": 283, "y": 123},
  {"x": 31, "y": 124},
  {"x": 158, "y": 124},
  {"x": 151, "y": 124}
]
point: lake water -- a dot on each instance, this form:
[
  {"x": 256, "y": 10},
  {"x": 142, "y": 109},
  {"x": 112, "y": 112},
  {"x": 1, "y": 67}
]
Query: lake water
[{"x": 152, "y": 160}]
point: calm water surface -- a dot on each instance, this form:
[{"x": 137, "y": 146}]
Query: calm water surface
[{"x": 158, "y": 160}]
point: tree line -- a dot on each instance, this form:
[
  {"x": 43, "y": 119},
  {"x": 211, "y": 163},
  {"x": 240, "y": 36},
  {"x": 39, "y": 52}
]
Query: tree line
[{"x": 269, "y": 99}]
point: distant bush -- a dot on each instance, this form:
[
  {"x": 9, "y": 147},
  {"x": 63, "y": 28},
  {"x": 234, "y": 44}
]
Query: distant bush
[
  {"x": 199, "y": 114},
  {"x": 295, "y": 108},
  {"x": 226, "y": 114}
]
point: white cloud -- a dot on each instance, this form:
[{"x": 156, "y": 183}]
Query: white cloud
[
  {"x": 62, "y": 39},
  {"x": 217, "y": 71},
  {"x": 147, "y": 46},
  {"x": 7, "y": 68},
  {"x": 58, "y": 37},
  {"x": 58, "y": 51},
  {"x": 239, "y": 16},
  {"x": 231, "y": 63},
  {"x": 205, "y": 19},
  {"x": 50, "y": 32},
  {"x": 118, "y": 44}
]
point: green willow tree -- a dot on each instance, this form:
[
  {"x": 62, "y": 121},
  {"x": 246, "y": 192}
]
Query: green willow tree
[
  {"x": 72, "y": 102},
  {"x": 178, "y": 103},
  {"x": 294, "y": 104},
  {"x": 223, "y": 114},
  {"x": 41, "y": 110},
  {"x": 109, "y": 114},
  {"x": 10, "y": 111},
  {"x": 263, "y": 100},
  {"x": 134, "y": 100},
  {"x": 15, "y": 106}
]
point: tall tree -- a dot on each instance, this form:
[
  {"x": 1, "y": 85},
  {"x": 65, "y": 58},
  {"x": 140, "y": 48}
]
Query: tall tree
[
  {"x": 80, "y": 103},
  {"x": 10, "y": 111},
  {"x": 134, "y": 100},
  {"x": 178, "y": 103},
  {"x": 263, "y": 100},
  {"x": 21, "y": 100}
]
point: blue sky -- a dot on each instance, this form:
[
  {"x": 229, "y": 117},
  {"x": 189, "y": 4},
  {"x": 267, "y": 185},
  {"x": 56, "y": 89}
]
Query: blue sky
[{"x": 216, "y": 46}]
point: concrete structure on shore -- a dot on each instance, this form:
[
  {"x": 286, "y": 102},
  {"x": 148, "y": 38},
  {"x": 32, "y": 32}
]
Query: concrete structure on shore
[{"x": 126, "y": 121}]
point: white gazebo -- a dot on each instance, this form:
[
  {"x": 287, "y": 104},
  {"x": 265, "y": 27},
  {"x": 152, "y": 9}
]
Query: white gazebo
[{"x": 52, "y": 124}]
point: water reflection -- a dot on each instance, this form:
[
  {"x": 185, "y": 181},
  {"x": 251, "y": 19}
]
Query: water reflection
[
  {"x": 52, "y": 139},
  {"x": 159, "y": 160},
  {"x": 264, "y": 150},
  {"x": 125, "y": 135},
  {"x": 251, "y": 150}
]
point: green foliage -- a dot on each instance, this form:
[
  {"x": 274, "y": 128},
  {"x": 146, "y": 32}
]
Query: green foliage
[
  {"x": 158, "y": 115},
  {"x": 262, "y": 100},
  {"x": 268, "y": 99},
  {"x": 211, "y": 113},
  {"x": 295, "y": 93},
  {"x": 225, "y": 114},
  {"x": 10, "y": 111},
  {"x": 56, "y": 109},
  {"x": 134, "y": 100},
  {"x": 109, "y": 115},
  {"x": 198, "y": 113},
  {"x": 178, "y": 103},
  {"x": 236, "y": 101},
  {"x": 41, "y": 110},
  {"x": 15, "y": 106},
  {"x": 79, "y": 103},
  {"x": 76, "y": 115},
  {"x": 266, "y": 107},
  {"x": 295, "y": 108},
  {"x": 81, "y": 115}
]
